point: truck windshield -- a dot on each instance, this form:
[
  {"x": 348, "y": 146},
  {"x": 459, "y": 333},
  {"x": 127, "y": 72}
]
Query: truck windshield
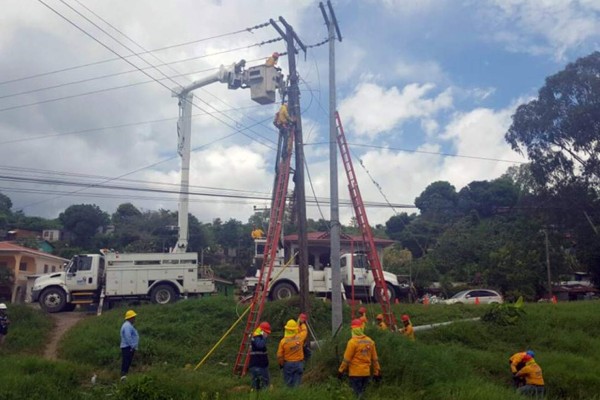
[{"x": 360, "y": 261}]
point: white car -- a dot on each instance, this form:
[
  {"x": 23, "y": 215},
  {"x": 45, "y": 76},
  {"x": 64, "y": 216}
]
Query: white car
[{"x": 485, "y": 296}]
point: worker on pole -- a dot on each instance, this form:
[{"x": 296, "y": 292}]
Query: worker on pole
[
  {"x": 381, "y": 323},
  {"x": 283, "y": 121},
  {"x": 534, "y": 380},
  {"x": 408, "y": 329},
  {"x": 359, "y": 358},
  {"x": 259, "y": 360},
  {"x": 290, "y": 354}
]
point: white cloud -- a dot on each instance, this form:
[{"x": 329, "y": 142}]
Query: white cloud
[
  {"x": 425, "y": 71},
  {"x": 373, "y": 109}
]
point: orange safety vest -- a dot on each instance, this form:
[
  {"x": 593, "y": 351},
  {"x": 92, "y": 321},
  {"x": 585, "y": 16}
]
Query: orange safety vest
[
  {"x": 359, "y": 356},
  {"x": 532, "y": 374},
  {"x": 290, "y": 349}
]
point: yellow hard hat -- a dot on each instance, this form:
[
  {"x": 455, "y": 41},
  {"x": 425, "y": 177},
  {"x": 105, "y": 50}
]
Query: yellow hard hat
[
  {"x": 130, "y": 314},
  {"x": 291, "y": 325}
]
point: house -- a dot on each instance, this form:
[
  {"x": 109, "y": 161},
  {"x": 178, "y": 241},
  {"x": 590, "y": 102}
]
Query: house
[
  {"x": 23, "y": 262},
  {"x": 21, "y": 234},
  {"x": 319, "y": 251},
  {"x": 51, "y": 235}
]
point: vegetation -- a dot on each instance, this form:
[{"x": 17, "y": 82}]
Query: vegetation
[{"x": 465, "y": 360}]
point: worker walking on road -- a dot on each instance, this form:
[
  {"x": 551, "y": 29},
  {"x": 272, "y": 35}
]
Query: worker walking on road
[
  {"x": 4, "y": 323},
  {"x": 259, "y": 360},
  {"x": 534, "y": 381},
  {"x": 362, "y": 315},
  {"x": 303, "y": 331},
  {"x": 360, "y": 356},
  {"x": 516, "y": 363},
  {"x": 129, "y": 342},
  {"x": 408, "y": 329},
  {"x": 290, "y": 354},
  {"x": 381, "y": 323}
]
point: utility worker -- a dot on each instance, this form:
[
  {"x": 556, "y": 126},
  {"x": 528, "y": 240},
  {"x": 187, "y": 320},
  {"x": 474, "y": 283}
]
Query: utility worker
[
  {"x": 257, "y": 233},
  {"x": 362, "y": 315},
  {"x": 516, "y": 363},
  {"x": 282, "y": 117},
  {"x": 408, "y": 329},
  {"x": 381, "y": 323},
  {"x": 4, "y": 323},
  {"x": 534, "y": 381},
  {"x": 290, "y": 354},
  {"x": 359, "y": 357},
  {"x": 303, "y": 331},
  {"x": 272, "y": 61},
  {"x": 129, "y": 342},
  {"x": 259, "y": 360}
]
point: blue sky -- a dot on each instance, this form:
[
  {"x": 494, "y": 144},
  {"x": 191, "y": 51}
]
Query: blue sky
[{"x": 435, "y": 76}]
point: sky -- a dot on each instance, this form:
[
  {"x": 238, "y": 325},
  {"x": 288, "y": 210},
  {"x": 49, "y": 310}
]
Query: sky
[{"x": 425, "y": 91}]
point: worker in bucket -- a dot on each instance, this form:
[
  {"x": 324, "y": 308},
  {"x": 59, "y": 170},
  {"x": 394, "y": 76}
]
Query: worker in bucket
[
  {"x": 4, "y": 323},
  {"x": 303, "y": 331},
  {"x": 259, "y": 360},
  {"x": 534, "y": 380},
  {"x": 290, "y": 354},
  {"x": 516, "y": 363},
  {"x": 381, "y": 323},
  {"x": 408, "y": 329},
  {"x": 272, "y": 61},
  {"x": 129, "y": 342},
  {"x": 359, "y": 358},
  {"x": 362, "y": 315},
  {"x": 257, "y": 233}
]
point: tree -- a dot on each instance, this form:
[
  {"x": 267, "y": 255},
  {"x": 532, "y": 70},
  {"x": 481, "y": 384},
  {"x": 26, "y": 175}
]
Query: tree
[
  {"x": 125, "y": 212},
  {"x": 487, "y": 197},
  {"x": 83, "y": 220},
  {"x": 396, "y": 225},
  {"x": 438, "y": 202},
  {"x": 5, "y": 204},
  {"x": 560, "y": 130}
]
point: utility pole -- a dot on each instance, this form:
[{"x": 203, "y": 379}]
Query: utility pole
[
  {"x": 294, "y": 108},
  {"x": 336, "y": 278},
  {"x": 548, "y": 263}
]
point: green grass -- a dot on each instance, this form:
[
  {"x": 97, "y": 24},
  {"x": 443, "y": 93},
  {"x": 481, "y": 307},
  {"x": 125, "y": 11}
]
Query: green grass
[
  {"x": 28, "y": 330},
  {"x": 466, "y": 360}
]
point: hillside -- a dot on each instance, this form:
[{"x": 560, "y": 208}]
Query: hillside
[{"x": 466, "y": 360}]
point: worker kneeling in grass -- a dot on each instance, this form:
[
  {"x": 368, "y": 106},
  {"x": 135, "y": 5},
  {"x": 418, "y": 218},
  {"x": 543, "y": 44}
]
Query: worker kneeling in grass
[
  {"x": 290, "y": 354},
  {"x": 534, "y": 381},
  {"x": 359, "y": 357}
]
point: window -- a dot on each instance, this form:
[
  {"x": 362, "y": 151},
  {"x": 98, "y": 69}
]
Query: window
[
  {"x": 22, "y": 266},
  {"x": 45, "y": 268},
  {"x": 84, "y": 263},
  {"x": 54, "y": 268}
]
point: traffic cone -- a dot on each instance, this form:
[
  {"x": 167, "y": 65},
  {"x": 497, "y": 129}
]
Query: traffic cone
[
  {"x": 476, "y": 300},
  {"x": 554, "y": 301},
  {"x": 397, "y": 301},
  {"x": 426, "y": 300}
]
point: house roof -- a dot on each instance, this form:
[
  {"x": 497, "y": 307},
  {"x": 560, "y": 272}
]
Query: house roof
[
  {"x": 9, "y": 247},
  {"x": 316, "y": 237}
]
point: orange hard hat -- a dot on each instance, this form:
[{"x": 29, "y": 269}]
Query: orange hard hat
[
  {"x": 275, "y": 55},
  {"x": 265, "y": 326},
  {"x": 379, "y": 316},
  {"x": 356, "y": 323},
  {"x": 303, "y": 317},
  {"x": 405, "y": 317},
  {"x": 362, "y": 310}
]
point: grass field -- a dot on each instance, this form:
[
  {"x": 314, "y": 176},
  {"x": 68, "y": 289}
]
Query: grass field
[{"x": 465, "y": 360}]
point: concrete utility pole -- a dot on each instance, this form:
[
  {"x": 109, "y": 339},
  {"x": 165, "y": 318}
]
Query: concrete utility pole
[
  {"x": 294, "y": 109},
  {"x": 336, "y": 278},
  {"x": 548, "y": 263}
]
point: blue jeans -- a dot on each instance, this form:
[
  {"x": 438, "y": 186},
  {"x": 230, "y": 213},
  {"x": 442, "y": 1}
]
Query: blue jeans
[
  {"x": 260, "y": 377},
  {"x": 292, "y": 372},
  {"x": 359, "y": 384},
  {"x": 532, "y": 390}
]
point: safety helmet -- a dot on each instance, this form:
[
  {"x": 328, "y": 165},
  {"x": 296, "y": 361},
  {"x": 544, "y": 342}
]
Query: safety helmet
[
  {"x": 303, "y": 317},
  {"x": 291, "y": 325},
  {"x": 275, "y": 55},
  {"x": 531, "y": 353},
  {"x": 356, "y": 323},
  {"x": 405, "y": 317},
  {"x": 265, "y": 326},
  {"x": 130, "y": 314},
  {"x": 379, "y": 317},
  {"x": 362, "y": 310},
  {"x": 3, "y": 306},
  {"x": 526, "y": 358}
]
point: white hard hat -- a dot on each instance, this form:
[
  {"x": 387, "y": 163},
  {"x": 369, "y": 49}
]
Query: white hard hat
[{"x": 3, "y": 306}]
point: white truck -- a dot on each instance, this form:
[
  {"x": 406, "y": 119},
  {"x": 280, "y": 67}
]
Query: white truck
[
  {"x": 159, "y": 277},
  {"x": 355, "y": 272}
]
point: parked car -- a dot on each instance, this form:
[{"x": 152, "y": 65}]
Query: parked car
[{"x": 485, "y": 296}]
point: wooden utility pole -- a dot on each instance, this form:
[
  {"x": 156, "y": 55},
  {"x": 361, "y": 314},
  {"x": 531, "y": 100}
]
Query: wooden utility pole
[{"x": 294, "y": 109}]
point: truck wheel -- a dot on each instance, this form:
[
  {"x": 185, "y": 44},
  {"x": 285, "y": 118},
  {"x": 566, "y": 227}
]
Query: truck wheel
[
  {"x": 390, "y": 292},
  {"x": 282, "y": 291},
  {"x": 53, "y": 300},
  {"x": 163, "y": 294}
]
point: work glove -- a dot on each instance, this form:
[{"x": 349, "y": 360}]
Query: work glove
[
  {"x": 280, "y": 366},
  {"x": 377, "y": 378},
  {"x": 340, "y": 376}
]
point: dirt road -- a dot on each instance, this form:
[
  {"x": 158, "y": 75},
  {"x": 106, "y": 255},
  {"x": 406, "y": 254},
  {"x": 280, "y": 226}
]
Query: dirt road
[{"x": 62, "y": 323}]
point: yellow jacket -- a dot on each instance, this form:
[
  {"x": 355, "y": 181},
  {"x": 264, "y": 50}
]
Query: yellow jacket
[
  {"x": 257, "y": 233},
  {"x": 283, "y": 116},
  {"x": 290, "y": 348},
  {"x": 364, "y": 319},
  {"x": 532, "y": 374},
  {"x": 408, "y": 331},
  {"x": 515, "y": 360},
  {"x": 382, "y": 325},
  {"x": 271, "y": 62},
  {"x": 303, "y": 331},
  {"x": 359, "y": 356}
]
